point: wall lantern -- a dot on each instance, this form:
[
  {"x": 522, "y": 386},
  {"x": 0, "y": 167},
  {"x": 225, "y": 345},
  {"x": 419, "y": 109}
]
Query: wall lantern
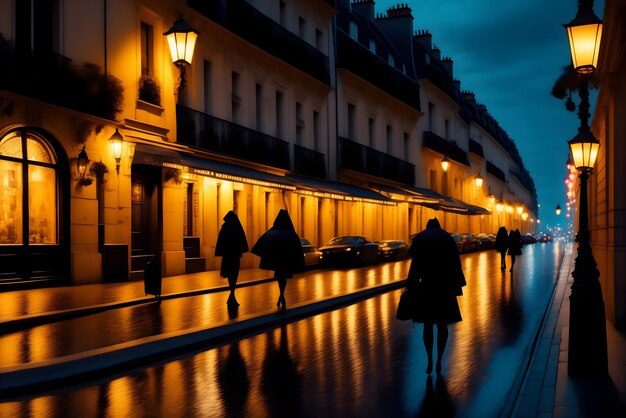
[
  {"x": 500, "y": 206},
  {"x": 479, "y": 181},
  {"x": 524, "y": 216},
  {"x": 116, "y": 141},
  {"x": 445, "y": 164},
  {"x": 584, "y": 147},
  {"x": 82, "y": 162},
  {"x": 558, "y": 209},
  {"x": 182, "y": 40},
  {"x": 519, "y": 209},
  {"x": 584, "y": 33}
]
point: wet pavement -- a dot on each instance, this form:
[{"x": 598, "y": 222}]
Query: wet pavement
[{"x": 354, "y": 361}]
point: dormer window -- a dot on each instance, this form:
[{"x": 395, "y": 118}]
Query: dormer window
[
  {"x": 372, "y": 46},
  {"x": 354, "y": 31}
]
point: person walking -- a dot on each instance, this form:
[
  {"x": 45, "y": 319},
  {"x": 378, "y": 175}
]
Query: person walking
[
  {"x": 436, "y": 277},
  {"x": 515, "y": 246},
  {"x": 280, "y": 250},
  {"x": 502, "y": 245},
  {"x": 231, "y": 244}
]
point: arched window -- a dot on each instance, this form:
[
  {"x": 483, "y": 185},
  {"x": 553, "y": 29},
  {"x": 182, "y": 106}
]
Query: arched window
[{"x": 28, "y": 190}]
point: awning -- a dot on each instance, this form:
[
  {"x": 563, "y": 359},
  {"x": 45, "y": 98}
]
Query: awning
[
  {"x": 337, "y": 190},
  {"x": 152, "y": 155},
  {"x": 232, "y": 172},
  {"x": 405, "y": 193}
]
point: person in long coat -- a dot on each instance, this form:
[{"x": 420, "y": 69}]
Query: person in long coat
[
  {"x": 436, "y": 275},
  {"x": 280, "y": 250},
  {"x": 502, "y": 245},
  {"x": 231, "y": 244},
  {"x": 515, "y": 246}
]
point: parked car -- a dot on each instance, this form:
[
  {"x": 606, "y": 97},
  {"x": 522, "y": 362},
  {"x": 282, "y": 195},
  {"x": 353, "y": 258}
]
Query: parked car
[
  {"x": 470, "y": 243},
  {"x": 349, "y": 250},
  {"x": 459, "y": 242},
  {"x": 312, "y": 255},
  {"x": 395, "y": 249},
  {"x": 485, "y": 241}
]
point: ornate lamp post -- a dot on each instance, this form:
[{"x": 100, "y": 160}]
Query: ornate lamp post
[
  {"x": 181, "y": 39},
  {"x": 587, "y": 333}
]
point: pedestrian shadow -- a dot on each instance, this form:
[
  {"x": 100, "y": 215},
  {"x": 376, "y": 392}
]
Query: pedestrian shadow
[
  {"x": 437, "y": 401},
  {"x": 281, "y": 381},
  {"x": 234, "y": 382}
]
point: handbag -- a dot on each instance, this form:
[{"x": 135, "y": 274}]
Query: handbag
[{"x": 406, "y": 305}]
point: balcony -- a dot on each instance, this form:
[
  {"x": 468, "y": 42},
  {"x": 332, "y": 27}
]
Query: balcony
[
  {"x": 495, "y": 171},
  {"x": 357, "y": 157},
  {"x": 207, "y": 132},
  {"x": 452, "y": 150},
  {"x": 476, "y": 148},
  {"x": 55, "y": 79},
  {"x": 360, "y": 61},
  {"x": 241, "y": 18},
  {"x": 308, "y": 162}
]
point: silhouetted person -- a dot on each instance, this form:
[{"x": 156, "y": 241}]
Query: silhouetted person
[
  {"x": 280, "y": 250},
  {"x": 515, "y": 246},
  {"x": 231, "y": 244},
  {"x": 502, "y": 245},
  {"x": 437, "y": 277}
]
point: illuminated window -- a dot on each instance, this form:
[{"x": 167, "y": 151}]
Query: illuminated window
[{"x": 28, "y": 186}]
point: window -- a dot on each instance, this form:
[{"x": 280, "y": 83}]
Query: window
[
  {"x": 407, "y": 146},
  {"x": 391, "y": 61},
  {"x": 258, "y": 90},
  {"x": 302, "y": 27},
  {"x": 283, "y": 13},
  {"x": 299, "y": 124},
  {"x": 373, "y": 46},
  {"x": 351, "y": 121},
  {"x": 37, "y": 26},
  {"x": 433, "y": 180},
  {"x": 319, "y": 39},
  {"x": 431, "y": 117},
  {"x": 316, "y": 131},
  {"x": 235, "y": 98},
  {"x": 207, "y": 74},
  {"x": 279, "y": 114},
  {"x": 27, "y": 162},
  {"x": 389, "y": 139},
  {"x": 371, "y": 127},
  {"x": 147, "y": 49},
  {"x": 188, "y": 211},
  {"x": 447, "y": 129},
  {"x": 354, "y": 31}
]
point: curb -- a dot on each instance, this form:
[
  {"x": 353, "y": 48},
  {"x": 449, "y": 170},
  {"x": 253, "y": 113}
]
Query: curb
[
  {"x": 29, "y": 321},
  {"x": 33, "y": 377}
]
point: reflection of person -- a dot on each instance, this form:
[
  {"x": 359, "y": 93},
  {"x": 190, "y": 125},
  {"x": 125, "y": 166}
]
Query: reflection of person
[
  {"x": 233, "y": 380},
  {"x": 437, "y": 277},
  {"x": 281, "y": 381},
  {"x": 501, "y": 245},
  {"x": 437, "y": 401},
  {"x": 515, "y": 245},
  {"x": 280, "y": 250},
  {"x": 231, "y": 244}
]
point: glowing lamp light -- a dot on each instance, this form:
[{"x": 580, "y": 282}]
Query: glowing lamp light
[
  {"x": 82, "y": 161},
  {"x": 519, "y": 209},
  {"x": 445, "y": 164},
  {"x": 524, "y": 216},
  {"x": 116, "y": 141},
  {"x": 584, "y": 147},
  {"x": 584, "y": 33},
  {"x": 558, "y": 209},
  {"x": 500, "y": 206},
  {"x": 479, "y": 181},
  {"x": 181, "y": 39},
  {"x": 572, "y": 176}
]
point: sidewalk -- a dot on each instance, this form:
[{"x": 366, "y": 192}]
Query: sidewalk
[{"x": 547, "y": 390}]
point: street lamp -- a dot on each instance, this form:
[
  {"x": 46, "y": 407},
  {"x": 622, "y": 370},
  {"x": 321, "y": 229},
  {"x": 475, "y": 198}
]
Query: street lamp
[
  {"x": 116, "y": 141},
  {"x": 558, "y": 209},
  {"x": 479, "y": 181},
  {"x": 587, "y": 348},
  {"x": 445, "y": 163},
  {"x": 82, "y": 161},
  {"x": 181, "y": 39}
]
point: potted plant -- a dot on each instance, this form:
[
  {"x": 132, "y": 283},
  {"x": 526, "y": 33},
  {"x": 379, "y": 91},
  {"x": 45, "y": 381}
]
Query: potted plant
[{"x": 149, "y": 90}]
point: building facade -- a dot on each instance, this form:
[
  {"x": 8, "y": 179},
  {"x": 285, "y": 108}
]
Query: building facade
[{"x": 323, "y": 108}]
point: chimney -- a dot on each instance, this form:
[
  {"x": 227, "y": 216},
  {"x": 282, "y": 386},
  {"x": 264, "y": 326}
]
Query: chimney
[
  {"x": 469, "y": 97},
  {"x": 365, "y": 8},
  {"x": 397, "y": 25},
  {"x": 424, "y": 38},
  {"x": 447, "y": 63},
  {"x": 436, "y": 52},
  {"x": 457, "y": 84}
]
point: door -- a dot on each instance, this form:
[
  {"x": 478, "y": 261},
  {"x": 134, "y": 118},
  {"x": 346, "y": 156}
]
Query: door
[{"x": 145, "y": 201}]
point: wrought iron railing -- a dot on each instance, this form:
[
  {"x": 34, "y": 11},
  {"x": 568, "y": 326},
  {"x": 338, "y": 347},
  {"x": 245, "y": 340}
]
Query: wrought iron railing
[{"x": 309, "y": 162}]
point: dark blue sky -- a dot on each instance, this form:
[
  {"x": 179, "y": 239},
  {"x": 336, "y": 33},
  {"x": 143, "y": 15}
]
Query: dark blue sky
[{"x": 509, "y": 53}]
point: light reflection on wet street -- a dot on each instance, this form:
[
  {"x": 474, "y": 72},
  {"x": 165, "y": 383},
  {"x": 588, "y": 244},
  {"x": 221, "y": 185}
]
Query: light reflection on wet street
[{"x": 355, "y": 361}]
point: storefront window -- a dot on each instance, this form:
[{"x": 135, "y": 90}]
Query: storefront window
[{"x": 26, "y": 157}]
